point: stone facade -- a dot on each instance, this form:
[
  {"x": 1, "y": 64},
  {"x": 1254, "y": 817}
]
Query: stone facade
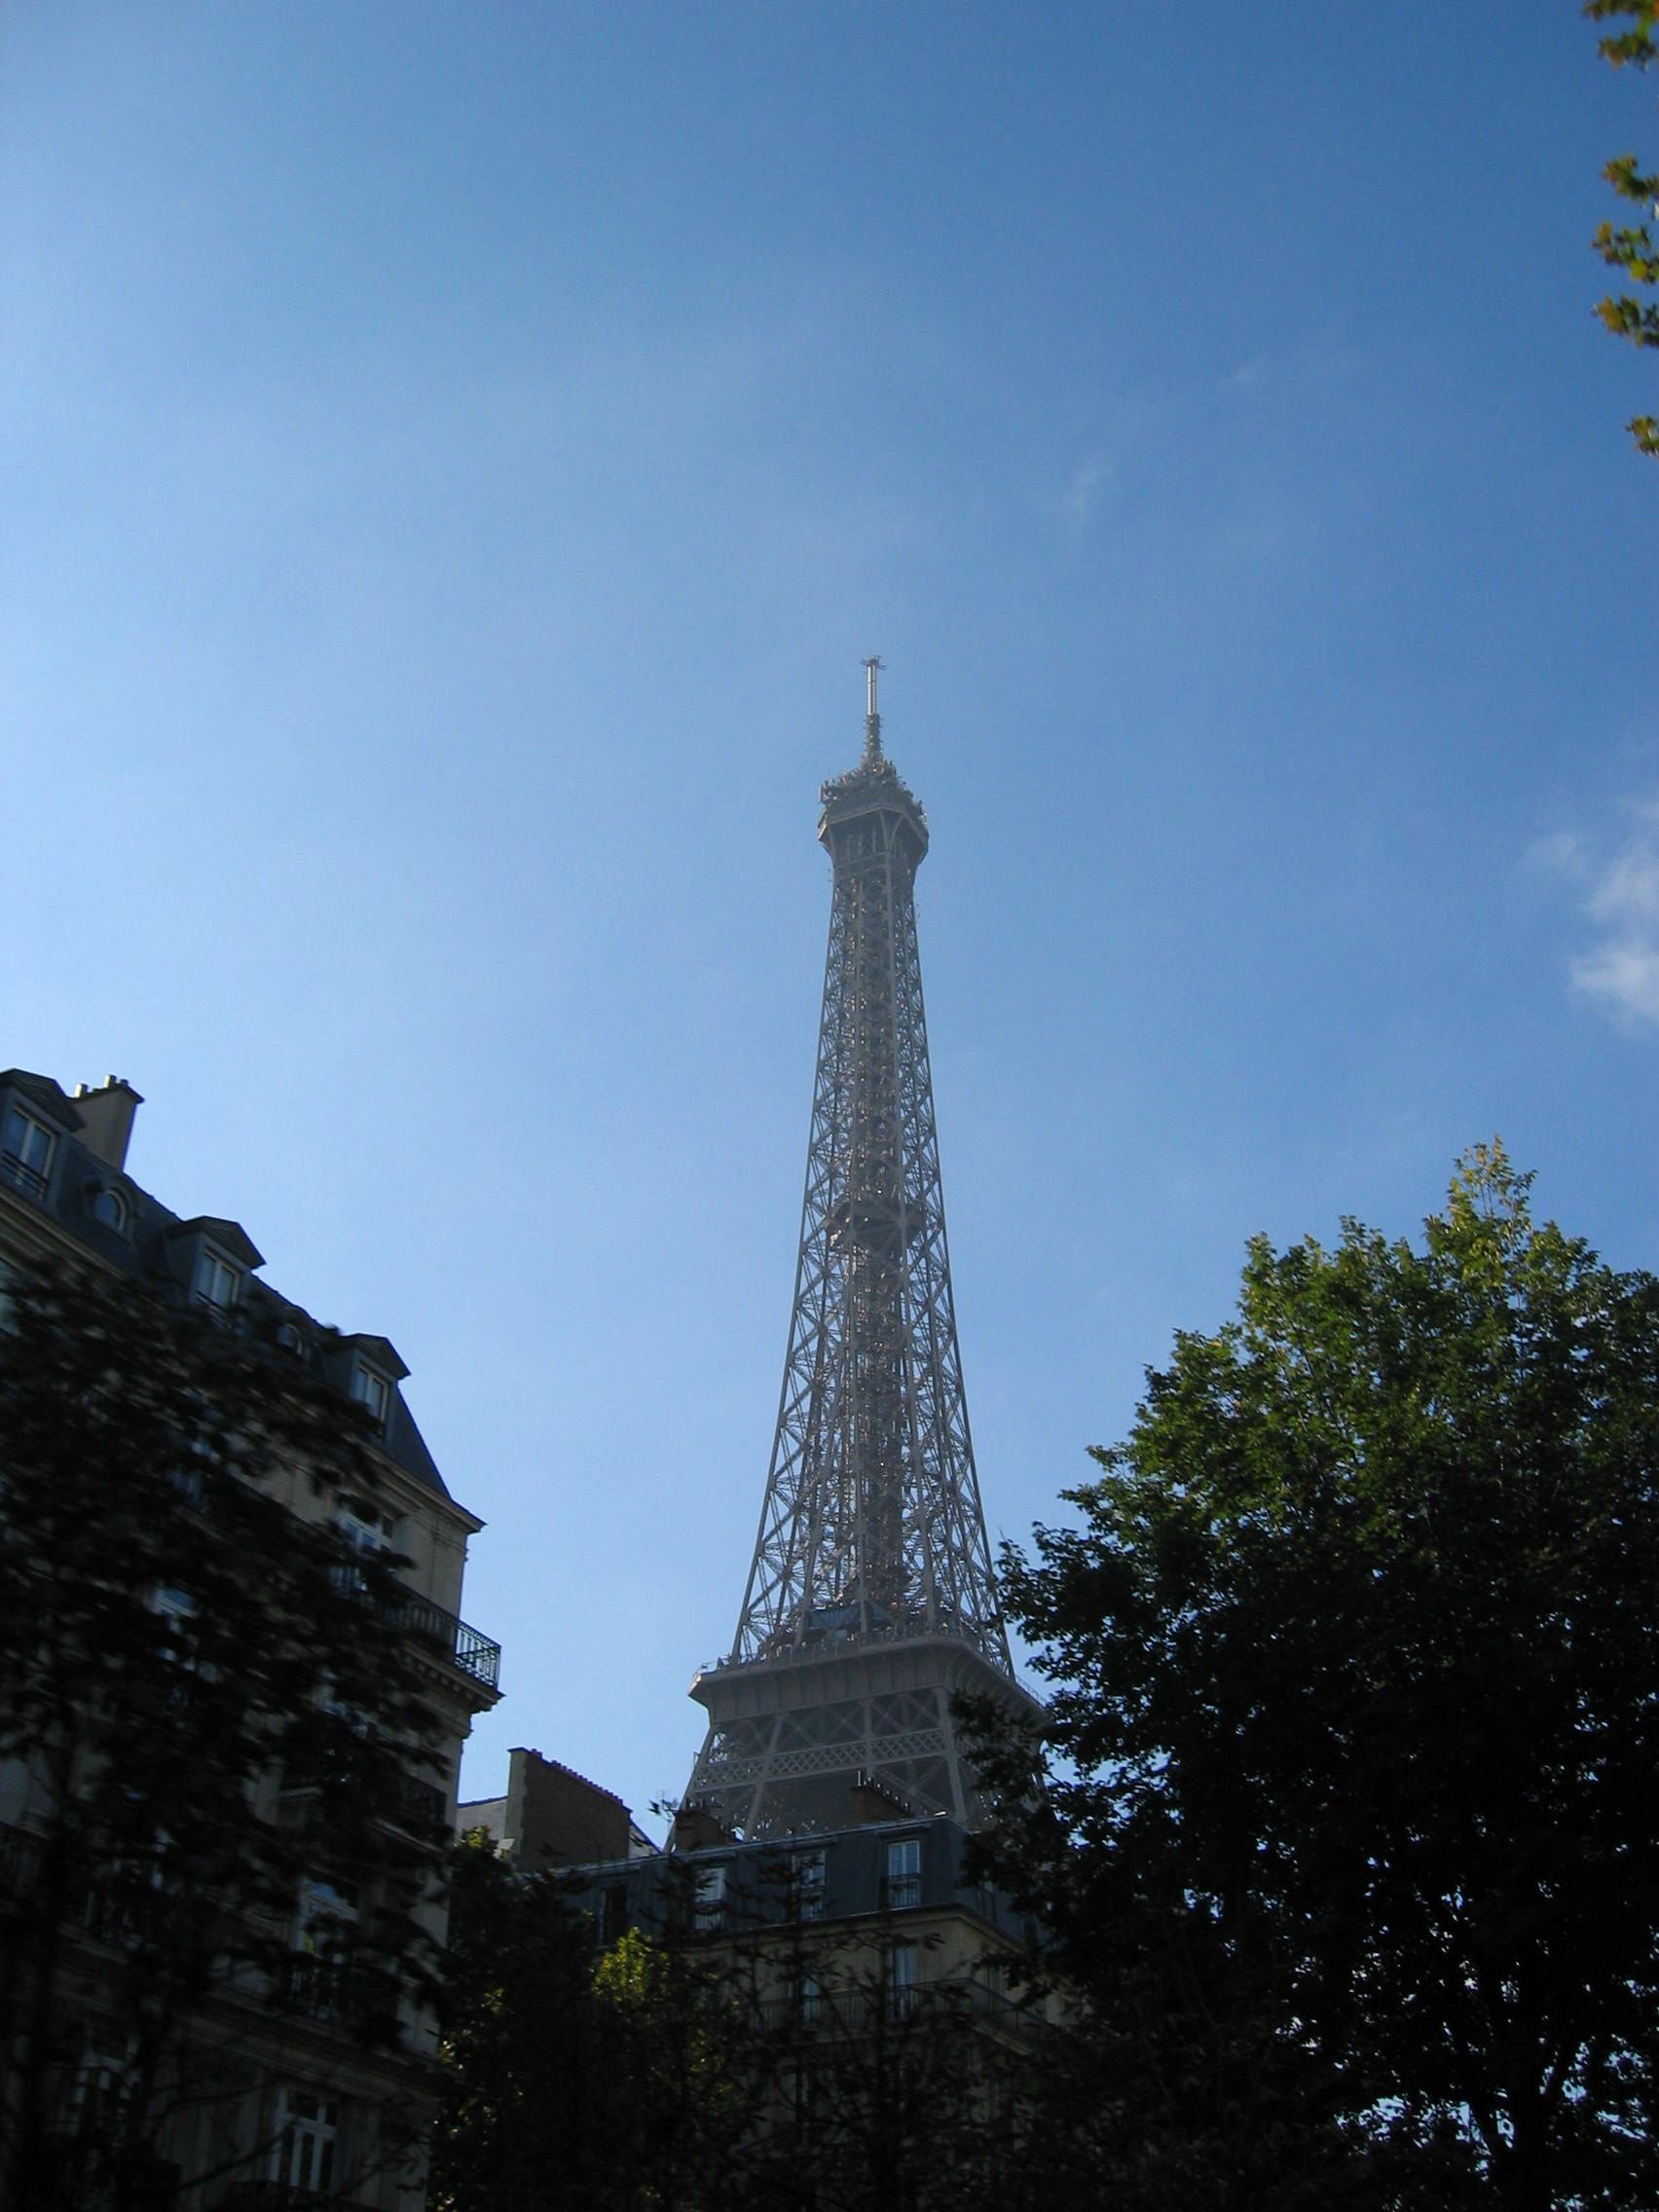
[{"x": 317, "y": 2117}]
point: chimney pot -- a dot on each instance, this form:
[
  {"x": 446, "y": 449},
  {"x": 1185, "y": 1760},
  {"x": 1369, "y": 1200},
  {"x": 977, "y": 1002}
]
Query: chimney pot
[{"x": 107, "y": 1117}]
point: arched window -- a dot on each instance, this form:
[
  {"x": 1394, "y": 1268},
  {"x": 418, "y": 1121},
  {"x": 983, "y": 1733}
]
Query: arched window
[{"x": 109, "y": 1206}]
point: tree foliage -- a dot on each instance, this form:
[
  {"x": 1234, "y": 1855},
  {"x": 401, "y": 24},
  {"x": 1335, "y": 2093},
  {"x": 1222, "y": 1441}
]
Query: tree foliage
[
  {"x": 1630, "y": 247},
  {"x": 205, "y": 1701},
  {"x": 766, "y": 2073},
  {"x": 526, "y": 2082},
  {"x": 1349, "y": 1839}
]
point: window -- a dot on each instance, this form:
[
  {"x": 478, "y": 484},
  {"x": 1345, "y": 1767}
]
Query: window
[
  {"x": 711, "y": 1898},
  {"x": 808, "y": 1998},
  {"x": 614, "y": 1922},
  {"x": 177, "y": 1609},
  {"x": 328, "y": 1913},
  {"x": 191, "y": 1479},
  {"x": 807, "y": 2072},
  {"x": 308, "y": 2127},
  {"x": 905, "y": 1874},
  {"x": 808, "y": 1872},
  {"x": 216, "y": 1281},
  {"x": 133, "y": 1893},
  {"x": 101, "y": 2090},
  {"x": 109, "y": 1206},
  {"x": 26, "y": 1151},
  {"x": 899, "y": 1976},
  {"x": 318, "y": 1971},
  {"x": 373, "y": 1391},
  {"x": 365, "y": 1528},
  {"x": 330, "y": 1700}
]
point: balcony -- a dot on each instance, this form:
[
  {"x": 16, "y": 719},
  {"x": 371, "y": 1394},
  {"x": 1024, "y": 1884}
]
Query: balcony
[
  {"x": 472, "y": 1653},
  {"x": 19, "y": 1859},
  {"x": 277, "y": 2196},
  {"x": 420, "y": 1808},
  {"x": 370, "y": 1776},
  {"x": 466, "y": 1648},
  {"x": 861, "y": 2009},
  {"x": 319, "y": 1986},
  {"x": 21, "y": 1176}
]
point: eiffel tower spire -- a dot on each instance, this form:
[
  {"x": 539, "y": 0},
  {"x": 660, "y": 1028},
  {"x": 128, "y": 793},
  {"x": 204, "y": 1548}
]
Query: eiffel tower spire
[{"x": 871, "y": 1598}]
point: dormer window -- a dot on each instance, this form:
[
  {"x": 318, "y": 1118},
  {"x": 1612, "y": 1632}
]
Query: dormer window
[
  {"x": 26, "y": 1151},
  {"x": 710, "y": 1899},
  {"x": 217, "y": 1283},
  {"x": 807, "y": 1868},
  {"x": 371, "y": 1390},
  {"x": 109, "y": 1207},
  {"x": 211, "y": 1260},
  {"x": 903, "y": 1889},
  {"x": 371, "y": 1372}
]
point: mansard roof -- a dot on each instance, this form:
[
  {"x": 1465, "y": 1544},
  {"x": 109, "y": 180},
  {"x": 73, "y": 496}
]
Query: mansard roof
[{"x": 151, "y": 1249}]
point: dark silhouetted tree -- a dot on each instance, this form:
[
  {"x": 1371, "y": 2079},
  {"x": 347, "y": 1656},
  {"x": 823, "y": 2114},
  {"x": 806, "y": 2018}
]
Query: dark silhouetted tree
[
  {"x": 783, "y": 2069},
  {"x": 1348, "y": 1843},
  {"x": 206, "y": 1700}
]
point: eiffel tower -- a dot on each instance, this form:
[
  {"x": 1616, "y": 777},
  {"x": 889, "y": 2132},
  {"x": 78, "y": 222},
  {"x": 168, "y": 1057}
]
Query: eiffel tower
[{"x": 870, "y": 1599}]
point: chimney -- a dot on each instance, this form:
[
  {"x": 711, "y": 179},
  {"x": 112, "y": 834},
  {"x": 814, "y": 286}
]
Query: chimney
[
  {"x": 695, "y": 1828},
  {"x": 106, "y": 1116}
]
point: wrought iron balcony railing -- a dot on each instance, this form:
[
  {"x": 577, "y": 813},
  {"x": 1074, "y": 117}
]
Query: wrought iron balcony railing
[
  {"x": 277, "y": 2196},
  {"x": 319, "y": 1986},
  {"x": 467, "y": 1647},
  {"x": 420, "y": 1807},
  {"x": 473, "y": 1653},
  {"x": 389, "y": 1793},
  {"x": 29, "y": 1180},
  {"x": 862, "y": 2009}
]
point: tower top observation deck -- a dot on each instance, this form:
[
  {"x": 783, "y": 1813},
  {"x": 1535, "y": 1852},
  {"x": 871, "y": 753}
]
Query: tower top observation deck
[{"x": 873, "y": 787}]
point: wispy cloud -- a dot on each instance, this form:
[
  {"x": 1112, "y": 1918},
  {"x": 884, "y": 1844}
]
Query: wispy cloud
[
  {"x": 1090, "y": 474},
  {"x": 1620, "y": 893}
]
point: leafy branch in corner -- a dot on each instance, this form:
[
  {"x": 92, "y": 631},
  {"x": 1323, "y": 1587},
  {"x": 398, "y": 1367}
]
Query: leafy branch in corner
[{"x": 1629, "y": 247}]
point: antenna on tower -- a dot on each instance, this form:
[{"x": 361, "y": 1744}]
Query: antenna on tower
[{"x": 873, "y": 663}]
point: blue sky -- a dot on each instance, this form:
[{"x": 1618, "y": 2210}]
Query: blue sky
[{"x": 452, "y": 461}]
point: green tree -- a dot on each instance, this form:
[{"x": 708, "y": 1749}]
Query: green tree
[
  {"x": 529, "y": 2117},
  {"x": 1348, "y": 1841},
  {"x": 586, "y": 2079},
  {"x": 1630, "y": 247},
  {"x": 779, "y": 2067},
  {"x": 206, "y": 1702},
  {"x": 889, "y": 2098}
]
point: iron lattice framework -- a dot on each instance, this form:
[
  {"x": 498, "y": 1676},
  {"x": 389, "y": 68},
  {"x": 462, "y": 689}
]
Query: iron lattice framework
[{"x": 872, "y": 1598}]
